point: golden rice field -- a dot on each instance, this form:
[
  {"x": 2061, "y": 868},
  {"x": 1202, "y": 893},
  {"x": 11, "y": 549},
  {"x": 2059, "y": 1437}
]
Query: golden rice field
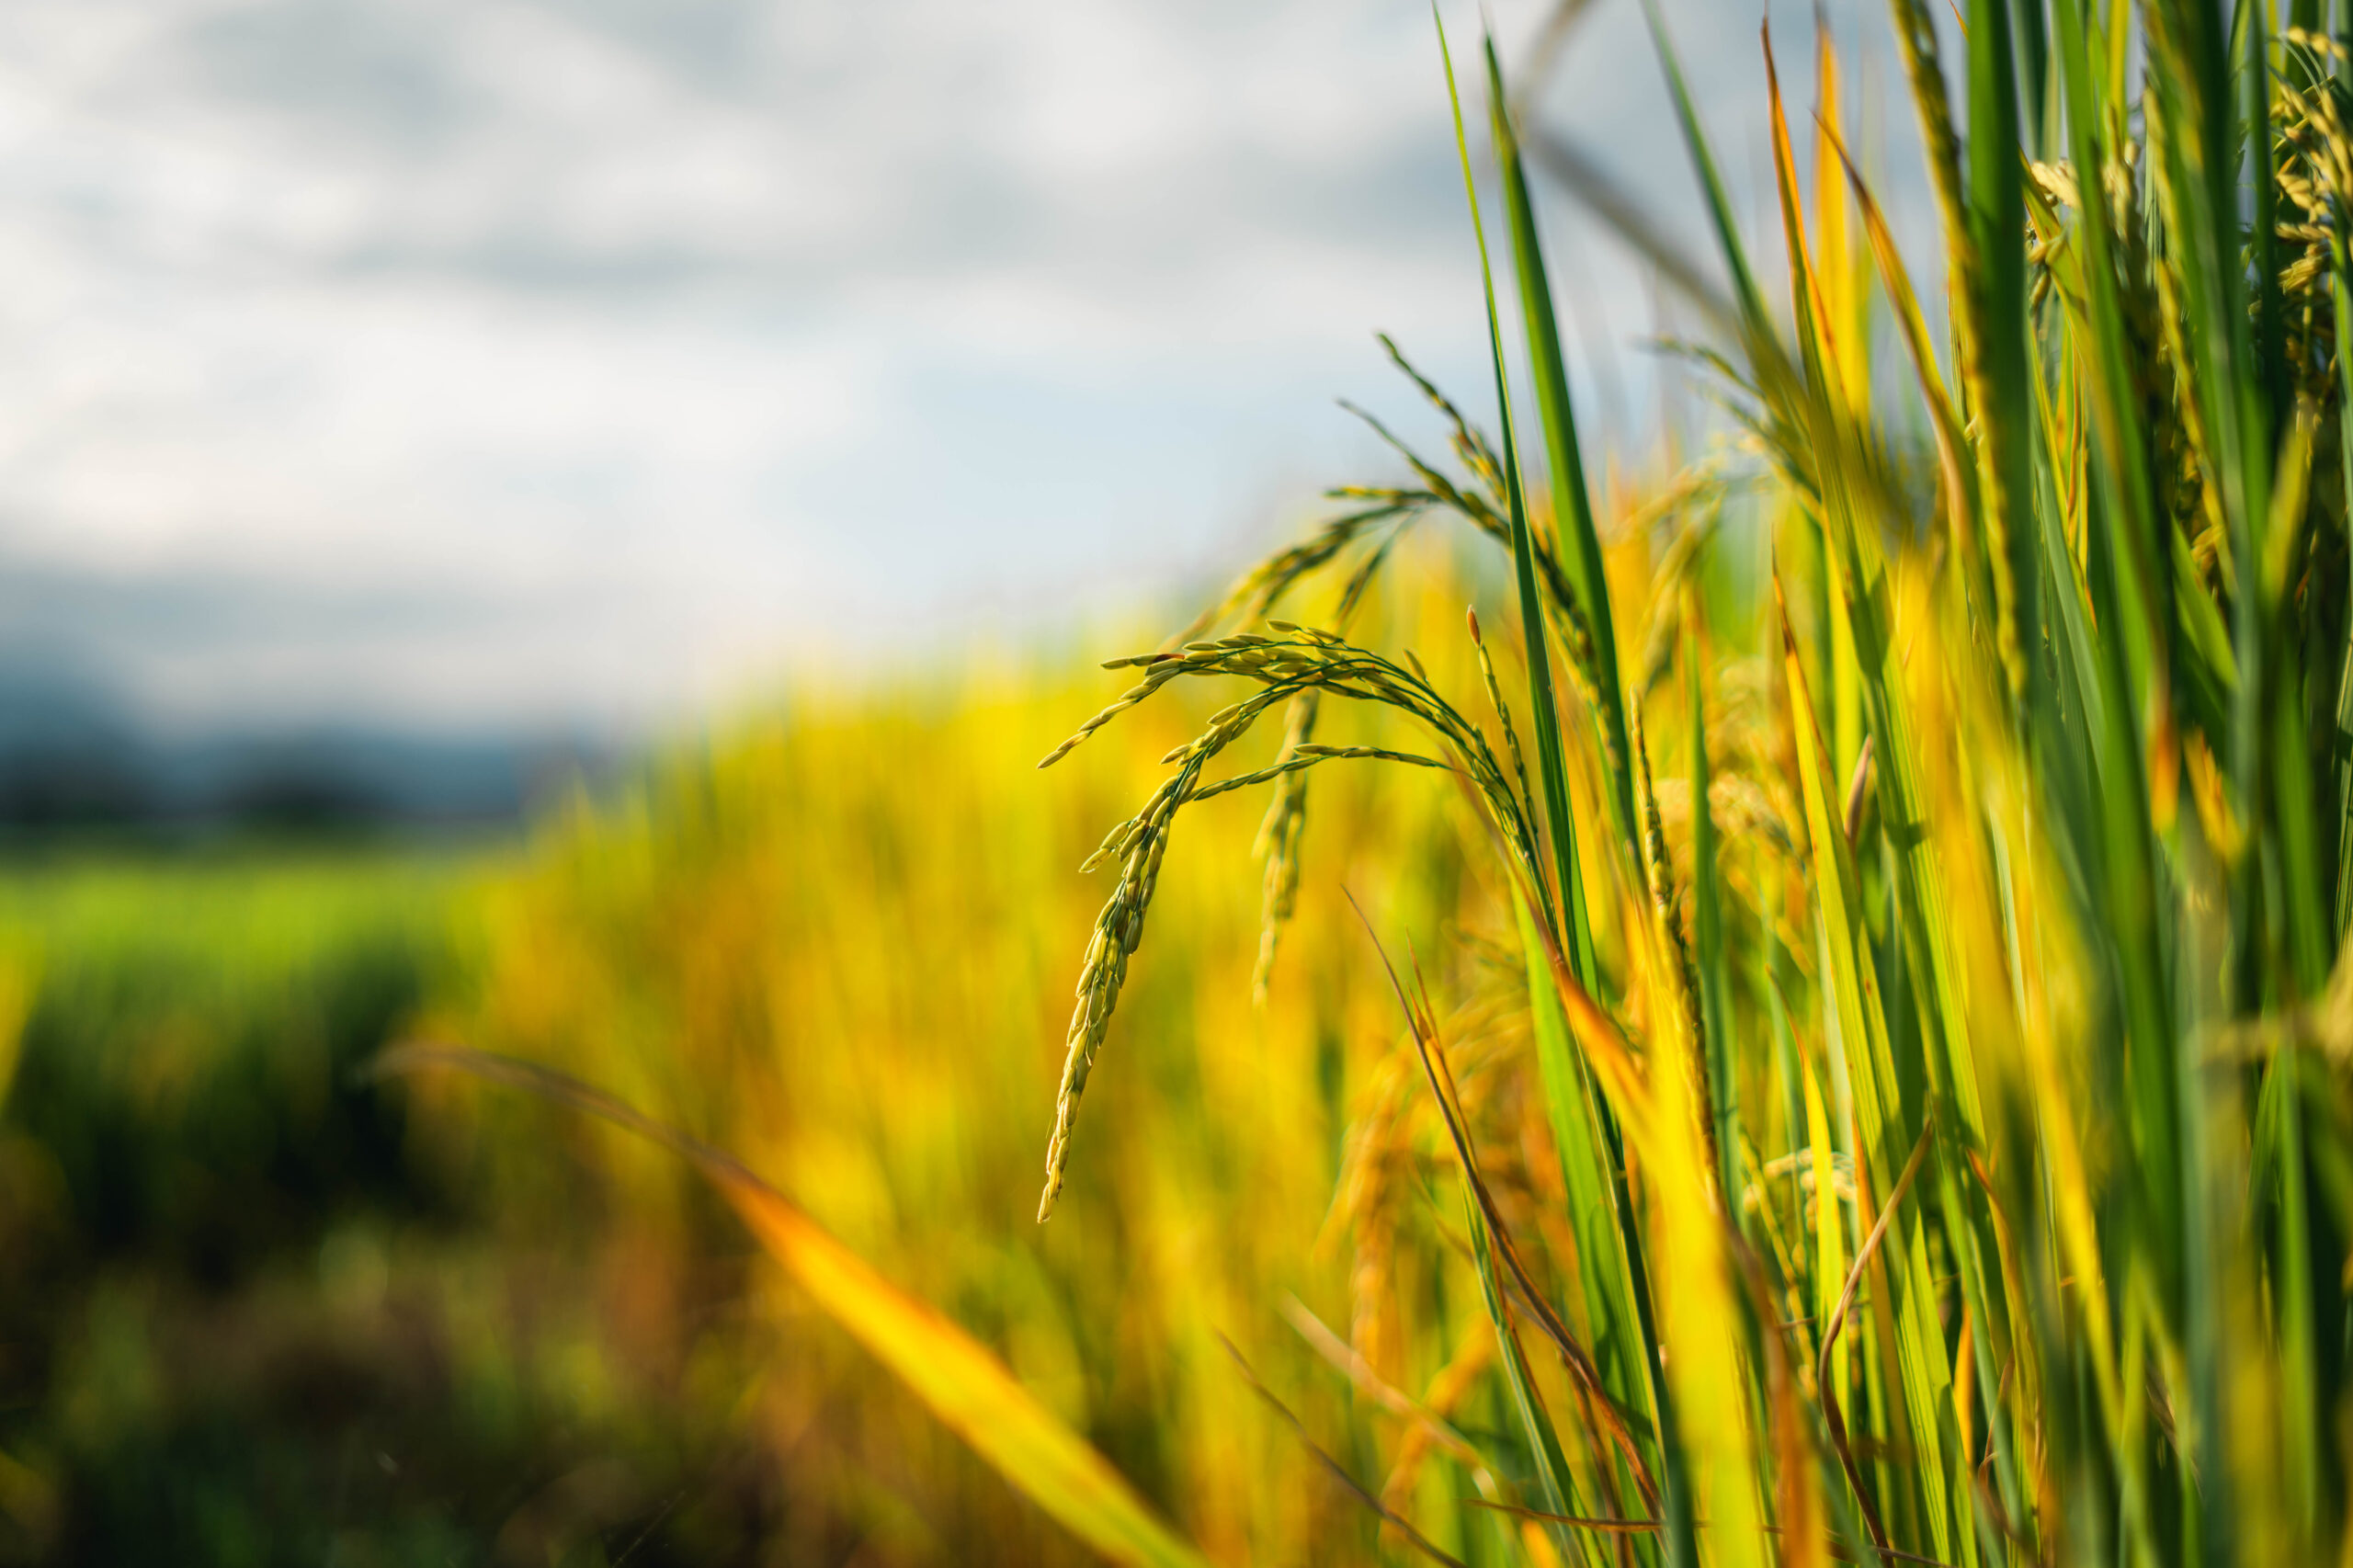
[
  {"x": 838, "y": 942},
  {"x": 1811, "y": 1027}
]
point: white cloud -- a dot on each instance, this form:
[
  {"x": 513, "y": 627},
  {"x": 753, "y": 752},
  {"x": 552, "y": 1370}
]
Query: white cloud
[{"x": 534, "y": 358}]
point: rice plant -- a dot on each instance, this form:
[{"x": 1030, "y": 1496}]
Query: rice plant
[
  {"x": 1946, "y": 1147},
  {"x": 833, "y": 941}
]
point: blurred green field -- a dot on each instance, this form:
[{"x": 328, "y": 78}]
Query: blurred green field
[
  {"x": 272, "y": 1313},
  {"x": 243, "y": 1325}
]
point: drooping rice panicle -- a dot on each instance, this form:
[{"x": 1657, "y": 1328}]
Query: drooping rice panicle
[
  {"x": 1277, "y": 844},
  {"x": 1295, "y": 661}
]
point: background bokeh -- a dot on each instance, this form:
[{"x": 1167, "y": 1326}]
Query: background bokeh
[{"x": 564, "y": 526}]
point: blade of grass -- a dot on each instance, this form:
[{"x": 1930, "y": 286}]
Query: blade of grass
[
  {"x": 1544, "y": 712},
  {"x": 1756, "y": 324},
  {"x": 1997, "y": 286},
  {"x": 1579, "y": 542}
]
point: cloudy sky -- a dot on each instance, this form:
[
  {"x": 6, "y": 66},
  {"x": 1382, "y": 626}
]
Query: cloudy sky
[{"x": 530, "y": 362}]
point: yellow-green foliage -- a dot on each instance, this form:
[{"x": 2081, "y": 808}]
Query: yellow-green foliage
[{"x": 837, "y": 943}]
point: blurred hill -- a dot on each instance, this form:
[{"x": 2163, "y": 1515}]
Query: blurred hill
[{"x": 76, "y": 761}]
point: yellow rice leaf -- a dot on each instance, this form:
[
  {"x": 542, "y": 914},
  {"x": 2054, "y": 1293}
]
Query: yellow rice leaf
[
  {"x": 1699, "y": 1313},
  {"x": 1816, "y": 326},
  {"x": 1952, "y": 444},
  {"x": 1829, "y": 1235},
  {"x": 968, "y": 1388},
  {"x": 1843, "y": 274}
]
